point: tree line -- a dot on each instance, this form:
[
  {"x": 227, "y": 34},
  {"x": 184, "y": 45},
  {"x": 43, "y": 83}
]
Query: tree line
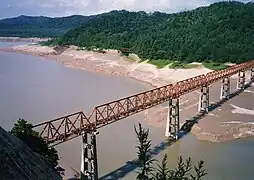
[
  {"x": 39, "y": 26},
  {"x": 222, "y": 32}
]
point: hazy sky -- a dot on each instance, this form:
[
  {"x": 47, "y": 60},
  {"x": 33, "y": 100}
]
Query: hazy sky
[{"x": 10, "y": 8}]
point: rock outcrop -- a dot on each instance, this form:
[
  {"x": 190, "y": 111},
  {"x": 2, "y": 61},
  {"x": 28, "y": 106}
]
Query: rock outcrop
[{"x": 19, "y": 162}]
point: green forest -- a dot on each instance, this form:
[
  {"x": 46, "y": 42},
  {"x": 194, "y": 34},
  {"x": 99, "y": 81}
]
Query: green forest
[
  {"x": 38, "y": 26},
  {"x": 219, "y": 33},
  {"x": 222, "y": 32}
]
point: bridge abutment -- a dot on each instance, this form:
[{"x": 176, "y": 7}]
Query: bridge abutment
[
  {"x": 89, "y": 167},
  {"x": 204, "y": 99},
  {"x": 225, "y": 88},
  {"x": 173, "y": 123},
  {"x": 241, "y": 80}
]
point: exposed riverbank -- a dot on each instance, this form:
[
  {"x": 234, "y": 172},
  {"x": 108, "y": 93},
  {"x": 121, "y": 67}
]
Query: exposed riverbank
[
  {"x": 19, "y": 39},
  {"x": 112, "y": 63}
]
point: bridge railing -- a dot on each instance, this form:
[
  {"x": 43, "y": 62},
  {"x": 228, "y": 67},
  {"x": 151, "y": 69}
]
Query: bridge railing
[
  {"x": 71, "y": 126},
  {"x": 65, "y": 128},
  {"x": 110, "y": 112}
]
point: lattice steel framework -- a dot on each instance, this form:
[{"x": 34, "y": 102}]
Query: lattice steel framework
[
  {"x": 68, "y": 127},
  {"x": 71, "y": 126}
]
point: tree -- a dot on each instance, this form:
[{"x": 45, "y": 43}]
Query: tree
[
  {"x": 23, "y": 130},
  {"x": 144, "y": 156},
  {"x": 207, "y": 33},
  {"x": 162, "y": 172}
]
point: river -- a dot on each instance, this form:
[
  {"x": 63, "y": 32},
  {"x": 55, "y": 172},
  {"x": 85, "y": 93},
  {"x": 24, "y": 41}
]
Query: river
[{"x": 37, "y": 90}]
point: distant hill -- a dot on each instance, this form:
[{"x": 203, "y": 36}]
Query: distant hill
[
  {"x": 40, "y": 26},
  {"x": 222, "y": 32}
]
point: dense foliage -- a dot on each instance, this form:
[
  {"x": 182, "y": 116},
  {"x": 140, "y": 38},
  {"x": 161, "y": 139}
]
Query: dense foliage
[
  {"x": 145, "y": 160},
  {"x": 183, "y": 170},
  {"x": 28, "y": 26},
  {"x": 23, "y": 130},
  {"x": 222, "y": 32}
]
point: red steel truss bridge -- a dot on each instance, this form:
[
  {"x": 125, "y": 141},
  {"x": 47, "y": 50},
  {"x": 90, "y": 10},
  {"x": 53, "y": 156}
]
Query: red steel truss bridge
[{"x": 77, "y": 124}]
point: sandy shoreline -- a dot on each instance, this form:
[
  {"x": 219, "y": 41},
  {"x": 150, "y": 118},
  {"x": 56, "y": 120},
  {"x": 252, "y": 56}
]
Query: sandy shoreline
[
  {"x": 113, "y": 64},
  {"x": 19, "y": 39}
]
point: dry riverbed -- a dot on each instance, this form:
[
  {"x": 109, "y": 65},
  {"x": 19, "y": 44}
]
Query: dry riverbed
[{"x": 232, "y": 120}]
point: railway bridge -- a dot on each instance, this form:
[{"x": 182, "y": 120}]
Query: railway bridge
[{"x": 77, "y": 124}]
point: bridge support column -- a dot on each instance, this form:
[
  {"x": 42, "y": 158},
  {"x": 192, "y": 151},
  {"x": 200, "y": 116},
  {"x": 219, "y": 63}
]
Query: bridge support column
[
  {"x": 89, "y": 167},
  {"x": 225, "y": 88},
  {"x": 204, "y": 99},
  {"x": 241, "y": 80},
  {"x": 252, "y": 75},
  {"x": 173, "y": 123}
]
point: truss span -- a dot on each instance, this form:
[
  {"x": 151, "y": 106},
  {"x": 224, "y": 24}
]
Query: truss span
[{"x": 70, "y": 126}]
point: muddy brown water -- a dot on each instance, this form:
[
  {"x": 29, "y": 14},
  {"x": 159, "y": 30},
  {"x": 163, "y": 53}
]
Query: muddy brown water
[{"x": 37, "y": 90}]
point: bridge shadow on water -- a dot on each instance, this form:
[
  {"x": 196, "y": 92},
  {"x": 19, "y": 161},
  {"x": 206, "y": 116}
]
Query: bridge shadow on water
[
  {"x": 187, "y": 126},
  {"x": 130, "y": 166}
]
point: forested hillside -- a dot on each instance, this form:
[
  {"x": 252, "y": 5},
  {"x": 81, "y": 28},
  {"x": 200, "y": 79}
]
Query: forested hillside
[
  {"x": 221, "y": 32},
  {"x": 28, "y": 26}
]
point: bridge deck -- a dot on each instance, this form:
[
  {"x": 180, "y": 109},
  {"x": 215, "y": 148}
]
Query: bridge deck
[{"x": 70, "y": 126}]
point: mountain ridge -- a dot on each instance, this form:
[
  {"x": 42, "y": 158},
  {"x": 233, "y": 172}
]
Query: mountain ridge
[
  {"x": 39, "y": 26},
  {"x": 222, "y": 32}
]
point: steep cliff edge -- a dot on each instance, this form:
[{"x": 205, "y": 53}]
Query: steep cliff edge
[{"x": 19, "y": 162}]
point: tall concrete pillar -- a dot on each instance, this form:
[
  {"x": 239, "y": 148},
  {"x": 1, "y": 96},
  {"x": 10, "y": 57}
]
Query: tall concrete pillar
[
  {"x": 225, "y": 88},
  {"x": 89, "y": 166},
  {"x": 241, "y": 80},
  {"x": 84, "y": 156},
  {"x": 173, "y": 121},
  {"x": 204, "y": 100},
  {"x": 252, "y": 75}
]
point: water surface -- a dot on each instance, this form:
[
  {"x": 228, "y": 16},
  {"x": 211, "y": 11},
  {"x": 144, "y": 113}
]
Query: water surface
[{"x": 37, "y": 90}]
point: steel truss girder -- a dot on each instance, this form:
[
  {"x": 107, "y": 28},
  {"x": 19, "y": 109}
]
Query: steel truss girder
[
  {"x": 68, "y": 127},
  {"x": 71, "y": 126}
]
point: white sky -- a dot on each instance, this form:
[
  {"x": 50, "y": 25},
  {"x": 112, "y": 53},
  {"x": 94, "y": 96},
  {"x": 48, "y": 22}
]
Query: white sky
[{"x": 11, "y": 8}]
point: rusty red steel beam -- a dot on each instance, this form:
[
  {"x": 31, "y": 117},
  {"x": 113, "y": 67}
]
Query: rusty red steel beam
[
  {"x": 119, "y": 109},
  {"x": 65, "y": 128},
  {"x": 68, "y": 127},
  {"x": 71, "y": 126}
]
